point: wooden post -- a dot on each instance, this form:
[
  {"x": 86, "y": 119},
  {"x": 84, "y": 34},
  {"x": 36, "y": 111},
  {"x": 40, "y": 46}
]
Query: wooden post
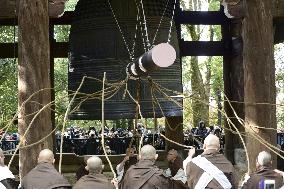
[
  {"x": 174, "y": 131},
  {"x": 233, "y": 74},
  {"x": 52, "y": 41},
  {"x": 34, "y": 75},
  {"x": 259, "y": 75}
]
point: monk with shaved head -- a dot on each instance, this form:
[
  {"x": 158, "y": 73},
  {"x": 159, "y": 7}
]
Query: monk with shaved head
[
  {"x": 210, "y": 169},
  {"x": 265, "y": 176},
  {"x": 95, "y": 178},
  {"x": 44, "y": 175},
  {"x": 145, "y": 174}
]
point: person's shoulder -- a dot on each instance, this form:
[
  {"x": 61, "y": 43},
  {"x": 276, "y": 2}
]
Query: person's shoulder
[{"x": 222, "y": 157}]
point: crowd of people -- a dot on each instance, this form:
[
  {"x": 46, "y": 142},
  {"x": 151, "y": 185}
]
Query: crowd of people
[
  {"x": 83, "y": 141},
  {"x": 209, "y": 170}
]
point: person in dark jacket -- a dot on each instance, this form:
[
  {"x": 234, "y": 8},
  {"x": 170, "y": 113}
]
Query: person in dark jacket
[
  {"x": 81, "y": 171},
  {"x": 264, "y": 176},
  {"x": 145, "y": 174},
  {"x": 44, "y": 175},
  {"x": 95, "y": 178}
]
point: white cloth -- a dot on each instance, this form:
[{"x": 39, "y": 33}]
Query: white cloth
[
  {"x": 2, "y": 186},
  {"x": 226, "y": 10},
  {"x": 203, "y": 181},
  {"x": 119, "y": 172},
  {"x": 180, "y": 175},
  {"x": 211, "y": 170},
  {"x": 4, "y": 174}
]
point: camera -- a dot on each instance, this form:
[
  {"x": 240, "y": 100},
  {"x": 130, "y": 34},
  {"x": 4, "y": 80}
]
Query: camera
[{"x": 267, "y": 184}]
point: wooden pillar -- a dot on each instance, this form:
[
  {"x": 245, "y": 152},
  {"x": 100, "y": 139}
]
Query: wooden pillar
[
  {"x": 174, "y": 131},
  {"x": 52, "y": 41},
  {"x": 34, "y": 75},
  {"x": 233, "y": 73},
  {"x": 259, "y": 75}
]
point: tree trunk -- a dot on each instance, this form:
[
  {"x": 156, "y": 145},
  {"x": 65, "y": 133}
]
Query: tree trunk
[
  {"x": 200, "y": 111},
  {"x": 34, "y": 70},
  {"x": 259, "y": 75}
]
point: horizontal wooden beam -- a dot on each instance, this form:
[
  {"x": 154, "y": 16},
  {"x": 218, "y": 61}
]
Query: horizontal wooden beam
[
  {"x": 10, "y": 50},
  {"x": 65, "y": 19},
  {"x": 204, "y": 48},
  {"x": 182, "y": 17},
  {"x": 9, "y": 8},
  {"x": 187, "y": 48},
  {"x": 201, "y": 18}
]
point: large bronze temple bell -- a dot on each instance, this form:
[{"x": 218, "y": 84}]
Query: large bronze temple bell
[{"x": 99, "y": 33}]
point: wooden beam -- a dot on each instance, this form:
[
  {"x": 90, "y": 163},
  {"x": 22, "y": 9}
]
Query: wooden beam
[
  {"x": 203, "y": 48},
  {"x": 65, "y": 19},
  {"x": 201, "y": 18},
  {"x": 10, "y": 50},
  {"x": 10, "y": 8}
]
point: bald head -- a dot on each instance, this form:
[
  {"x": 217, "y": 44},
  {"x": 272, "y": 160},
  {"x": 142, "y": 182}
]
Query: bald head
[
  {"x": 148, "y": 152},
  {"x": 1, "y": 157},
  {"x": 94, "y": 165},
  {"x": 211, "y": 142},
  {"x": 264, "y": 159},
  {"x": 46, "y": 156}
]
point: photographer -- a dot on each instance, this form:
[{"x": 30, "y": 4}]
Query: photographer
[{"x": 265, "y": 176}]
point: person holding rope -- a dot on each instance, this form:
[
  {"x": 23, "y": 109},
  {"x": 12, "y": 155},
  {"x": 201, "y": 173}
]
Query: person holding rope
[
  {"x": 44, "y": 175},
  {"x": 145, "y": 174},
  {"x": 210, "y": 169},
  {"x": 129, "y": 159},
  {"x": 175, "y": 169},
  {"x": 265, "y": 176},
  {"x": 7, "y": 179},
  {"x": 95, "y": 178}
]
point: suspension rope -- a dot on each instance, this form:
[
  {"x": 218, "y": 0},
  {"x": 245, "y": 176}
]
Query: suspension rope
[
  {"x": 154, "y": 38},
  {"x": 103, "y": 128},
  {"x": 65, "y": 120},
  {"x": 120, "y": 30},
  {"x": 171, "y": 23},
  {"x": 148, "y": 45}
]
